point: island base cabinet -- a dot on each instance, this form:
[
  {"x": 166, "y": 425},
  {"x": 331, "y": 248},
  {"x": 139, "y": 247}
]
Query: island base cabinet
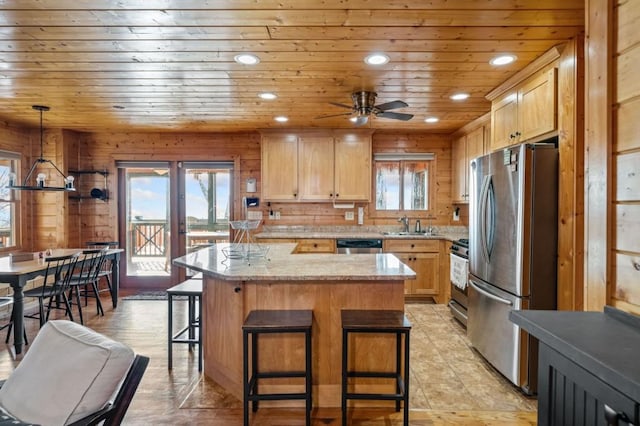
[
  {"x": 226, "y": 304},
  {"x": 570, "y": 395}
]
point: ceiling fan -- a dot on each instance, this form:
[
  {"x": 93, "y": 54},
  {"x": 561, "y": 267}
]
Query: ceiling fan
[{"x": 364, "y": 106}]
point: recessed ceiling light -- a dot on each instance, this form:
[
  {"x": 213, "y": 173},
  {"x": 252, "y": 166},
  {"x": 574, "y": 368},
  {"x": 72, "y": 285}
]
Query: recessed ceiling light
[
  {"x": 431, "y": 120},
  {"x": 281, "y": 119},
  {"x": 268, "y": 96},
  {"x": 246, "y": 59},
  {"x": 376, "y": 59},
  {"x": 503, "y": 60},
  {"x": 459, "y": 96}
]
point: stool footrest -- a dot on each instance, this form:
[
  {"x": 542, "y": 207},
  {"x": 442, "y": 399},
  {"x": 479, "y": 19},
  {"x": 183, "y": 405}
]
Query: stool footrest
[
  {"x": 275, "y": 396},
  {"x": 390, "y": 375},
  {"x": 376, "y": 396},
  {"x": 280, "y": 374}
]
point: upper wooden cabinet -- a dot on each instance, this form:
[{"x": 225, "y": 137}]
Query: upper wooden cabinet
[
  {"x": 316, "y": 167},
  {"x": 526, "y": 111},
  {"x": 280, "y": 167},
  {"x": 464, "y": 149}
]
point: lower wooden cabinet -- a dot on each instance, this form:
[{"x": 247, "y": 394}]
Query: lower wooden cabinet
[
  {"x": 311, "y": 245},
  {"x": 423, "y": 256}
]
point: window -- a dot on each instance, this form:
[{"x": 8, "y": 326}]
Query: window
[
  {"x": 403, "y": 182},
  {"x": 9, "y": 204}
]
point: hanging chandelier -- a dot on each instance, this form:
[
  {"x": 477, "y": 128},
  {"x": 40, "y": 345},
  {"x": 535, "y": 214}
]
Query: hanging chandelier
[{"x": 41, "y": 178}]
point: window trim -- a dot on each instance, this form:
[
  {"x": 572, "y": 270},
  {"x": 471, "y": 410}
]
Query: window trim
[
  {"x": 431, "y": 158},
  {"x": 15, "y": 202}
]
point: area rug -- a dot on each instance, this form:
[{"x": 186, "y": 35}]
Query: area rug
[{"x": 152, "y": 295}]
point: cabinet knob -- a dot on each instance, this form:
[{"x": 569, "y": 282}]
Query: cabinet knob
[
  {"x": 237, "y": 290},
  {"x": 315, "y": 245},
  {"x": 518, "y": 134},
  {"x": 331, "y": 194},
  {"x": 295, "y": 195},
  {"x": 413, "y": 245},
  {"x": 337, "y": 195},
  {"x": 512, "y": 136}
]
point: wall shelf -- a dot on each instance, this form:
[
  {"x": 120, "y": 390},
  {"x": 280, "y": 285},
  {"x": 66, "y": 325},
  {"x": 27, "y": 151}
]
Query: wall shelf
[{"x": 95, "y": 193}]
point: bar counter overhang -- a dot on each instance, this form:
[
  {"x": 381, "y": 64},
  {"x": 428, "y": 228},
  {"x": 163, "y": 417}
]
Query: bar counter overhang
[{"x": 324, "y": 283}]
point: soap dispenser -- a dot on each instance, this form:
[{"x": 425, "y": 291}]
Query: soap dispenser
[{"x": 418, "y": 226}]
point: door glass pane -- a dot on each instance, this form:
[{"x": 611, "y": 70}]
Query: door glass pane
[
  {"x": 207, "y": 205},
  {"x": 8, "y": 203},
  {"x": 148, "y": 214}
]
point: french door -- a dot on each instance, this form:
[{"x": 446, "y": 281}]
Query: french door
[{"x": 167, "y": 209}]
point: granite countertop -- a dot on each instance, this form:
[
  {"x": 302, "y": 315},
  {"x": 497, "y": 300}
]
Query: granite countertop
[
  {"x": 449, "y": 233},
  {"x": 282, "y": 265}
]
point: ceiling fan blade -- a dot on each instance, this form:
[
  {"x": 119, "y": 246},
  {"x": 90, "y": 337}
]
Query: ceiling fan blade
[
  {"x": 341, "y": 105},
  {"x": 333, "y": 115},
  {"x": 391, "y": 105},
  {"x": 395, "y": 115}
]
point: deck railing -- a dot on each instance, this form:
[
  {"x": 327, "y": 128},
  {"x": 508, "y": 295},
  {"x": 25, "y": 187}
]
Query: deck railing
[{"x": 149, "y": 237}]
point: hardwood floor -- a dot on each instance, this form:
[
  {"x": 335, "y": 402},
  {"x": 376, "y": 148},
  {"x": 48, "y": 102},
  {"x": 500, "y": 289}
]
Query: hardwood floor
[{"x": 450, "y": 383}]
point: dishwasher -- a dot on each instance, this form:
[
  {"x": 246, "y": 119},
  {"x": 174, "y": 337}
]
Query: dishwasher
[{"x": 358, "y": 245}]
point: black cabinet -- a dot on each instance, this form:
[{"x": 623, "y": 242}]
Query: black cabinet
[
  {"x": 90, "y": 184},
  {"x": 588, "y": 368}
]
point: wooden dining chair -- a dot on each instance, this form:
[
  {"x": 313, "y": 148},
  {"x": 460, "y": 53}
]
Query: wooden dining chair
[
  {"x": 54, "y": 288},
  {"x": 105, "y": 271},
  {"x": 84, "y": 281}
]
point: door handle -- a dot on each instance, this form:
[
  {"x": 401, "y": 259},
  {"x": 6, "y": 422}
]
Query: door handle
[{"x": 491, "y": 296}]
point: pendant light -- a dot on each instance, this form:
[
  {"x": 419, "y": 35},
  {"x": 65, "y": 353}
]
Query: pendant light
[{"x": 41, "y": 177}]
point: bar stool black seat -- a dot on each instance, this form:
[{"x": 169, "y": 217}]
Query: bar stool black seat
[
  {"x": 191, "y": 333},
  {"x": 377, "y": 321},
  {"x": 274, "y": 321}
]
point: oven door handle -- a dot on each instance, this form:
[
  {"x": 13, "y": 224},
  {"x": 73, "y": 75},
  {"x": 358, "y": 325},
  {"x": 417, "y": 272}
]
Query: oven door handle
[{"x": 486, "y": 293}]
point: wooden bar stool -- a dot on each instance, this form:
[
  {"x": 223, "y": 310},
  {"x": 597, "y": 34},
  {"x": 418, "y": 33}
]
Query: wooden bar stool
[
  {"x": 377, "y": 321},
  {"x": 274, "y": 321},
  {"x": 192, "y": 289}
]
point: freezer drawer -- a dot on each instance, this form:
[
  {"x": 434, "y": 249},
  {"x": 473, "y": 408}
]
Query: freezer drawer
[{"x": 491, "y": 332}]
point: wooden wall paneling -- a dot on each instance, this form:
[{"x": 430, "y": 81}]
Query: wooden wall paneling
[
  {"x": 628, "y": 177},
  {"x": 571, "y": 176},
  {"x": 626, "y": 155},
  {"x": 628, "y": 125},
  {"x": 627, "y": 291},
  {"x": 598, "y": 136}
]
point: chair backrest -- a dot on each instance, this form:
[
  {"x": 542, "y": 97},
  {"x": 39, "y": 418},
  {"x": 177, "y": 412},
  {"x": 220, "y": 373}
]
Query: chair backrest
[
  {"x": 58, "y": 273},
  {"x": 91, "y": 264}
]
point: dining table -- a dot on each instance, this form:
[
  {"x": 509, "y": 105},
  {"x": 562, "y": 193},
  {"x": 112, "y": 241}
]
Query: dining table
[{"x": 18, "y": 273}]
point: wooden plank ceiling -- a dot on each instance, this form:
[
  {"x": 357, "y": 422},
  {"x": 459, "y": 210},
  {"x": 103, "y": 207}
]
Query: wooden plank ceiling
[{"x": 168, "y": 65}]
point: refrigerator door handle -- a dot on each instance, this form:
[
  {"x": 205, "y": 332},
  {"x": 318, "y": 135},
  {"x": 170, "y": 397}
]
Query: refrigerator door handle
[
  {"x": 483, "y": 210},
  {"x": 486, "y": 293}
]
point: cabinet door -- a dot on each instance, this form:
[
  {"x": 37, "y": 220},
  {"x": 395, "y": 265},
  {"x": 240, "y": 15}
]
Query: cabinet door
[
  {"x": 504, "y": 121},
  {"x": 315, "y": 168},
  {"x": 316, "y": 246},
  {"x": 458, "y": 166},
  {"x": 427, "y": 269},
  {"x": 407, "y": 259},
  {"x": 353, "y": 168},
  {"x": 475, "y": 145},
  {"x": 537, "y": 106},
  {"x": 279, "y": 168}
]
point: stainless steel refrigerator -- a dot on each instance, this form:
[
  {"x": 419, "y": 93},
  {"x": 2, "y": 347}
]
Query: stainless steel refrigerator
[{"x": 513, "y": 215}]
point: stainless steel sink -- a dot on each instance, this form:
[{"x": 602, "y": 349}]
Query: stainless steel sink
[{"x": 411, "y": 234}]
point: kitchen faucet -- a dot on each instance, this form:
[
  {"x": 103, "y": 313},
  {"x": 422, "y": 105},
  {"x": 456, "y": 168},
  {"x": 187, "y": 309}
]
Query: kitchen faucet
[{"x": 405, "y": 223}]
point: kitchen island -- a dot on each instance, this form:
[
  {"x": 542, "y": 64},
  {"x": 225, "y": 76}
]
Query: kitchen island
[{"x": 324, "y": 283}]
